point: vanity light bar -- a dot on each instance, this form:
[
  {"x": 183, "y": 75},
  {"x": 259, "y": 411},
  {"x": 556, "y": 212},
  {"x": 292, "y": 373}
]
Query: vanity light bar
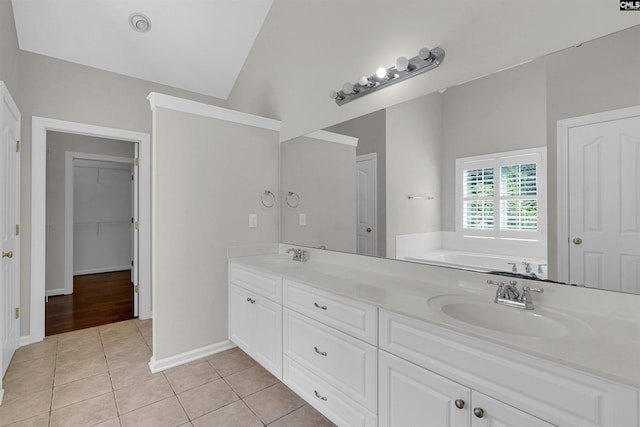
[{"x": 404, "y": 69}]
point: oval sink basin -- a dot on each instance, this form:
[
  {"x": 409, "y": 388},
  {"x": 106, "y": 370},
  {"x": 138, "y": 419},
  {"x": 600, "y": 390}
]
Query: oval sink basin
[{"x": 538, "y": 323}]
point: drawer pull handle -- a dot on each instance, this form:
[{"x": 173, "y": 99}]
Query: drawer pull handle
[
  {"x": 321, "y": 307},
  {"x": 319, "y": 396},
  {"x": 321, "y": 353},
  {"x": 252, "y": 301},
  {"x": 459, "y": 403},
  {"x": 478, "y": 412}
]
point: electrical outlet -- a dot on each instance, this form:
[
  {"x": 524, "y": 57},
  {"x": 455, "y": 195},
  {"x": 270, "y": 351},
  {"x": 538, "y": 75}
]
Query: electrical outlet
[{"x": 253, "y": 220}]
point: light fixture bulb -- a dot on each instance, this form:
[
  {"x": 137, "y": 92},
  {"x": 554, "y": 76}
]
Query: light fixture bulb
[
  {"x": 402, "y": 63},
  {"x": 364, "y": 81},
  {"x": 336, "y": 95},
  {"x": 381, "y": 73},
  {"x": 347, "y": 88},
  {"x": 424, "y": 53}
]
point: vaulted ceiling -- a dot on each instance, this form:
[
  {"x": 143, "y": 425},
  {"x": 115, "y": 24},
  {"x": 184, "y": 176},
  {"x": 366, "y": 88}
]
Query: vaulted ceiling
[{"x": 280, "y": 58}]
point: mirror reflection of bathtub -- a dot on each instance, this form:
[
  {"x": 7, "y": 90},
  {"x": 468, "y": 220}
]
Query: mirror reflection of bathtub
[{"x": 483, "y": 262}]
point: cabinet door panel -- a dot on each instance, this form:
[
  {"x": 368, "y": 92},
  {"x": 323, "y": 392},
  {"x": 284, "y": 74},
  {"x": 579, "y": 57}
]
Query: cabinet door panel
[
  {"x": 412, "y": 396},
  {"x": 268, "y": 335},
  {"x": 241, "y": 318},
  {"x": 498, "y": 414}
]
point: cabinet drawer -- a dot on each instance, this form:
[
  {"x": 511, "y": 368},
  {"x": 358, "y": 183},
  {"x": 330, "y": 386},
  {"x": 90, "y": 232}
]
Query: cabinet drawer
[
  {"x": 349, "y": 316},
  {"x": 557, "y": 394},
  {"x": 265, "y": 284},
  {"x": 330, "y": 401},
  {"x": 349, "y": 364}
]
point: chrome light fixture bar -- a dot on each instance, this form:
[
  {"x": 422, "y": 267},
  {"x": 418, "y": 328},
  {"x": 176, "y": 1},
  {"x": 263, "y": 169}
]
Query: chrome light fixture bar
[{"x": 427, "y": 59}]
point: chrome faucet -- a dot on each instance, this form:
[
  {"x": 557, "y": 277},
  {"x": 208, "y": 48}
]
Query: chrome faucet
[
  {"x": 299, "y": 254},
  {"x": 507, "y": 294},
  {"x": 527, "y": 266}
]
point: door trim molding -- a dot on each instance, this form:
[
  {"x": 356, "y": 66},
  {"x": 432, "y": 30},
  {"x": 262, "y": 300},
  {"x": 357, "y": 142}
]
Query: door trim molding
[
  {"x": 69, "y": 195},
  {"x": 563, "y": 128},
  {"x": 372, "y": 157},
  {"x": 40, "y": 126}
]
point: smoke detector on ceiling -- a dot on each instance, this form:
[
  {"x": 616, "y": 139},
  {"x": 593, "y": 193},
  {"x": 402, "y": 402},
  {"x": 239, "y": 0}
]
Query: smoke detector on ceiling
[{"x": 140, "y": 22}]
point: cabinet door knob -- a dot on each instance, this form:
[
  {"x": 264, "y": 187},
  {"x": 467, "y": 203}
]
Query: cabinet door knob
[
  {"x": 369, "y": 230},
  {"x": 321, "y": 353},
  {"x": 478, "y": 412},
  {"x": 319, "y": 396},
  {"x": 321, "y": 307},
  {"x": 459, "y": 403},
  {"x": 7, "y": 254}
]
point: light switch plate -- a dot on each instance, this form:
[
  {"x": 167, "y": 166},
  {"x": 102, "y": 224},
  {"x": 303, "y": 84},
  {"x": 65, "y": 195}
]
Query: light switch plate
[
  {"x": 253, "y": 220},
  {"x": 302, "y": 219}
]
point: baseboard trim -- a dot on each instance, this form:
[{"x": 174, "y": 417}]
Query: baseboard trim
[
  {"x": 102, "y": 270},
  {"x": 54, "y": 292},
  {"x": 26, "y": 340},
  {"x": 189, "y": 356}
]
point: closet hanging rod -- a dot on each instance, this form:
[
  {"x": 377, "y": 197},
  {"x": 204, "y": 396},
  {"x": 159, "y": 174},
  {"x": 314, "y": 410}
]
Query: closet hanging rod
[{"x": 420, "y": 197}]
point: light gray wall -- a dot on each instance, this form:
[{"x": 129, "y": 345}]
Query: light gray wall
[
  {"x": 501, "y": 112},
  {"x": 598, "y": 76},
  {"x": 8, "y": 48},
  {"x": 370, "y": 130},
  {"x": 414, "y": 135},
  {"x": 56, "y": 89},
  {"x": 57, "y": 145},
  {"x": 207, "y": 178},
  {"x": 323, "y": 174}
]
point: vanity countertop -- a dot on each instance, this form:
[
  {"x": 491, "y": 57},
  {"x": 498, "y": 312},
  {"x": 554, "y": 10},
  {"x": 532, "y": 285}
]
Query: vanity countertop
[{"x": 606, "y": 346}]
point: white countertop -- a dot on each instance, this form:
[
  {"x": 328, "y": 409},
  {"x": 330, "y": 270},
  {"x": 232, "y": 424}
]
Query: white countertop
[{"x": 605, "y": 346}]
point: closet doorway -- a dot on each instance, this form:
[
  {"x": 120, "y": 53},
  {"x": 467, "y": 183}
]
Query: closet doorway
[
  {"x": 90, "y": 238},
  {"x": 42, "y": 128}
]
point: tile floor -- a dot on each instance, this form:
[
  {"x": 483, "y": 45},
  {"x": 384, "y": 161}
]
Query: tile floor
[{"x": 99, "y": 376}]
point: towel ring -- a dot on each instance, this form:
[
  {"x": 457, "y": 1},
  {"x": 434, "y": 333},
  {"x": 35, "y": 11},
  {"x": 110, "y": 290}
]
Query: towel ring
[
  {"x": 293, "y": 200},
  {"x": 268, "y": 199}
]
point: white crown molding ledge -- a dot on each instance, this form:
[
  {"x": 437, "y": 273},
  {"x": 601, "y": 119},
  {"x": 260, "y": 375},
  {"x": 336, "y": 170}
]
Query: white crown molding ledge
[{"x": 159, "y": 100}]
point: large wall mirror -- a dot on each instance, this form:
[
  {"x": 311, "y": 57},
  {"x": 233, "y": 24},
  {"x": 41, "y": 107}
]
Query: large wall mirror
[{"x": 478, "y": 176}]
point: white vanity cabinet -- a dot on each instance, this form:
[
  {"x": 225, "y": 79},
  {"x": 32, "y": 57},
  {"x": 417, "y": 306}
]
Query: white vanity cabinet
[
  {"x": 255, "y": 316},
  {"x": 510, "y": 387},
  {"x": 411, "y": 396},
  {"x": 330, "y": 357}
]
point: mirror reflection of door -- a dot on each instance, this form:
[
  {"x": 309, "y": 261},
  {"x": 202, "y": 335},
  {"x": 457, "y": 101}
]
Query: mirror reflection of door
[
  {"x": 366, "y": 205},
  {"x": 604, "y": 204}
]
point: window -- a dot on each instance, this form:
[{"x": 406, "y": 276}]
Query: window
[{"x": 502, "y": 195}]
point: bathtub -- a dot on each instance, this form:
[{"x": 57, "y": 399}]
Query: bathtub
[{"x": 480, "y": 262}]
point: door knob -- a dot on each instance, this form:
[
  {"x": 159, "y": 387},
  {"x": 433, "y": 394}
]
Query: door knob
[
  {"x": 577, "y": 241},
  {"x": 7, "y": 254},
  {"x": 369, "y": 230},
  {"x": 459, "y": 403},
  {"x": 478, "y": 412}
]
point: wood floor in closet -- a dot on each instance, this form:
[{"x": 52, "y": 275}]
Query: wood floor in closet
[{"x": 97, "y": 299}]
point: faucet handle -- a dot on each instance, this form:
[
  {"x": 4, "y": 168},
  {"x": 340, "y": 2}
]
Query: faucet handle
[
  {"x": 500, "y": 285},
  {"x": 514, "y": 267},
  {"x": 526, "y": 296}
]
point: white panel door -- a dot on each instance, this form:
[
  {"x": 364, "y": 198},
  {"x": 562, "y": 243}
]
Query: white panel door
[
  {"x": 604, "y": 205},
  {"x": 9, "y": 232},
  {"x": 367, "y": 233},
  {"x": 413, "y": 396}
]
